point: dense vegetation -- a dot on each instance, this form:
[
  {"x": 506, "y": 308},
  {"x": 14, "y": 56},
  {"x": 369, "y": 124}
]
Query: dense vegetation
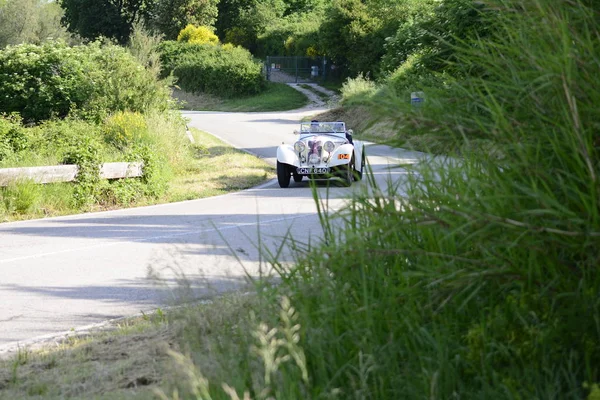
[
  {"x": 95, "y": 80},
  {"x": 85, "y": 105},
  {"x": 482, "y": 282},
  {"x": 30, "y": 21},
  {"x": 223, "y": 70}
]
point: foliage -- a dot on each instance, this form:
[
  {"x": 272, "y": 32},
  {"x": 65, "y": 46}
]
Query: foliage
[
  {"x": 213, "y": 69},
  {"x": 20, "y": 197},
  {"x": 353, "y": 32},
  {"x": 53, "y": 79},
  {"x": 124, "y": 129},
  {"x": 361, "y": 87},
  {"x": 197, "y": 35},
  {"x": 156, "y": 175},
  {"x": 434, "y": 33},
  {"x": 275, "y": 97},
  {"x": 292, "y": 35},
  {"x": 92, "y": 19},
  {"x": 241, "y": 22},
  {"x": 85, "y": 153},
  {"x": 12, "y": 136},
  {"x": 171, "y": 16},
  {"x": 30, "y": 21},
  {"x": 475, "y": 277},
  {"x": 143, "y": 45},
  {"x": 483, "y": 280}
]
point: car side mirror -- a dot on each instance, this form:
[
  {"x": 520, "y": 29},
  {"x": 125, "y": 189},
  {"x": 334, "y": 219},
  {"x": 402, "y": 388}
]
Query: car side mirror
[{"x": 296, "y": 132}]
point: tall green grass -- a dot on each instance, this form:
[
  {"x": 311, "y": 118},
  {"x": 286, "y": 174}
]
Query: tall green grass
[
  {"x": 483, "y": 283},
  {"x": 157, "y": 138}
]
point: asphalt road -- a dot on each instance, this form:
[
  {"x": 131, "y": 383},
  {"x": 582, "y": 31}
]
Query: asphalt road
[{"x": 59, "y": 274}]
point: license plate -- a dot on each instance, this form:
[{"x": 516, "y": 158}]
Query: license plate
[{"x": 312, "y": 170}]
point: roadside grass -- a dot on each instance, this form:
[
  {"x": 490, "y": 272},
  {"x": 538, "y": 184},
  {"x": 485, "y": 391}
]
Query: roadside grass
[
  {"x": 217, "y": 169},
  {"x": 214, "y": 168},
  {"x": 320, "y": 94},
  {"x": 134, "y": 358},
  {"x": 277, "y": 97},
  {"x": 366, "y": 123},
  {"x": 123, "y": 362}
]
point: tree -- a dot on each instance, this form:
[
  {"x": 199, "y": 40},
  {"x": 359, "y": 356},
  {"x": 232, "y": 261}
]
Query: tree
[
  {"x": 354, "y": 31},
  {"x": 49, "y": 23},
  {"x": 109, "y": 18},
  {"x": 302, "y": 6},
  {"x": 29, "y": 21},
  {"x": 17, "y": 21},
  {"x": 241, "y": 21},
  {"x": 171, "y": 16}
]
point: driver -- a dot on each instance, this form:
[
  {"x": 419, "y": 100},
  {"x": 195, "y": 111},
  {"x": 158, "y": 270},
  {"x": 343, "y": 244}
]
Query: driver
[{"x": 314, "y": 125}]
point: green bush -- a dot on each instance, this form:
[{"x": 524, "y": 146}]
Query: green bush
[
  {"x": 360, "y": 88},
  {"x": 293, "y": 35},
  {"x": 58, "y": 138},
  {"x": 12, "y": 136},
  {"x": 224, "y": 71},
  {"x": 434, "y": 32},
  {"x": 125, "y": 129},
  {"x": 86, "y": 155},
  {"x": 197, "y": 35},
  {"x": 55, "y": 80}
]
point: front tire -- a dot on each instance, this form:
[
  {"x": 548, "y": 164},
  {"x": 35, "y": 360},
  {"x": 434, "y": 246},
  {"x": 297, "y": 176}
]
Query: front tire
[
  {"x": 283, "y": 175},
  {"x": 359, "y": 174},
  {"x": 348, "y": 173}
]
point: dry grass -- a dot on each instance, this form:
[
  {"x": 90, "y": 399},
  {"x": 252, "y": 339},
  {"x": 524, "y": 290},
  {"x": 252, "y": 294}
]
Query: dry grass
[
  {"x": 362, "y": 121},
  {"x": 131, "y": 359},
  {"x": 190, "y": 101},
  {"x": 107, "y": 365},
  {"x": 218, "y": 169}
]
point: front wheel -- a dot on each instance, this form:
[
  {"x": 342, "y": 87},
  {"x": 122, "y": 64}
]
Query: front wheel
[
  {"x": 348, "y": 172},
  {"x": 283, "y": 175},
  {"x": 359, "y": 174}
]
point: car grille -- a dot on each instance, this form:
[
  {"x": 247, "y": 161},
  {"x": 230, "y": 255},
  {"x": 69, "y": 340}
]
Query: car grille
[{"x": 314, "y": 151}]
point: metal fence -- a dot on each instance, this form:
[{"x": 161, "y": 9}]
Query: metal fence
[{"x": 296, "y": 69}]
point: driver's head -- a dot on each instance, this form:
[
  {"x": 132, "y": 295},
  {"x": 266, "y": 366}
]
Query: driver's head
[{"x": 314, "y": 124}]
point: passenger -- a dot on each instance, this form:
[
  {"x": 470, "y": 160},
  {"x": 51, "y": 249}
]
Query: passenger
[{"x": 348, "y": 135}]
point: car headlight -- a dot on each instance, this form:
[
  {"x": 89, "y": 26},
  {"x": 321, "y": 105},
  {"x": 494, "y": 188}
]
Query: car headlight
[
  {"x": 299, "y": 147},
  {"x": 329, "y": 146}
]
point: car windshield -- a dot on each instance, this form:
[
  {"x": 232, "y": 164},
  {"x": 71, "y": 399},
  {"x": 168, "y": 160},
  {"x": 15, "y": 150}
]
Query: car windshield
[{"x": 332, "y": 128}]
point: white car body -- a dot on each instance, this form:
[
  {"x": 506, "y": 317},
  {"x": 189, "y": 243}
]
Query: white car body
[{"x": 323, "y": 150}]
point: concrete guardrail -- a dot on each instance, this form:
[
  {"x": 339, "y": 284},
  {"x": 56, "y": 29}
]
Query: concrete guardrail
[{"x": 68, "y": 173}]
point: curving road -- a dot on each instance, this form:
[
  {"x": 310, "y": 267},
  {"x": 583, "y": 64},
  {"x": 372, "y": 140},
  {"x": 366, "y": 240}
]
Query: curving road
[{"x": 57, "y": 274}]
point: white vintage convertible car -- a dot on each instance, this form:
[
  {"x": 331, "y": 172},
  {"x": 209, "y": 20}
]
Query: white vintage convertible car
[{"x": 323, "y": 150}]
